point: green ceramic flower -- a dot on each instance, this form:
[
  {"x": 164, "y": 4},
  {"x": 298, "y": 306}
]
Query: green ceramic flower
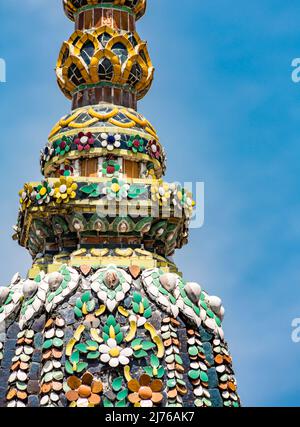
[
  {"x": 111, "y": 168},
  {"x": 136, "y": 143},
  {"x": 62, "y": 146},
  {"x": 43, "y": 192}
]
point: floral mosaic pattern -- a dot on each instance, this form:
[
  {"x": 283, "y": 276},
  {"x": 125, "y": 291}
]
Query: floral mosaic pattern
[
  {"x": 17, "y": 395},
  {"x": 111, "y": 168},
  {"x": 145, "y": 392},
  {"x": 154, "y": 149},
  {"x": 52, "y": 371},
  {"x": 103, "y": 321},
  {"x": 84, "y": 141},
  {"x": 62, "y": 146},
  {"x": 110, "y": 141},
  {"x": 85, "y": 391},
  {"x": 136, "y": 144},
  {"x": 116, "y": 190},
  {"x": 64, "y": 190}
]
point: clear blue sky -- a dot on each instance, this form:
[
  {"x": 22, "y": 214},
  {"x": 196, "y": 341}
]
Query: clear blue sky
[{"x": 228, "y": 114}]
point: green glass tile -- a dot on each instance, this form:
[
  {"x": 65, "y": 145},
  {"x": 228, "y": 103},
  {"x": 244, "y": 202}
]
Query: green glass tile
[
  {"x": 81, "y": 366},
  {"x": 47, "y": 344},
  {"x": 171, "y": 383},
  {"x": 204, "y": 376},
  {"x": 111, "y": 321},
  {"x": 69, "y": 367},
  {"x": 137, "y": 298},
  {"x": 86, "y": 297},
  {"x": 194, "y": 374},
  {"x": 154, "y": 361},
  {"x": 148, "y": 313},
  {"x": 193, "y": 351},
  {"x": 122, "y": 394},
  {"x": 147, "y": 345},
  {"x": 210, "y": 314},
  {"x": 117, "y": 384},
  {"x": 78, "y": 312},
  {"x": 81, "y": 347},
  {"x": 160, "y": 372},
  {"x": 57, "y": 342},
  {"x": 107, "y": 403},
  {"x": 58, "y": 291},
  {"x": 119, "y": 337},
  {"x": 93, "y": 355},
  {"x": 178, "y": 359},
  {"x": 75, "y": 357},
  {"x": 203, "y": 305},
  {"x": 136, "y": 307},
  {"x": 139, "y": 354}
]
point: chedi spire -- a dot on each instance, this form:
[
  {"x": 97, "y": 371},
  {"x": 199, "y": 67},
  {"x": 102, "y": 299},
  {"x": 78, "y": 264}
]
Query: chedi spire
[{"x": 104, "y": 317}]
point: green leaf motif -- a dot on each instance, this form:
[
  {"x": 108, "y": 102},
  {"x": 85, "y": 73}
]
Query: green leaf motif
[
  {"x": 117, "y": 384},
  {"x": 75, "y": 357},
  {"x": 137, "y": 341},
  {"x": 81, "y": 366},
  {"x": 93, "y": 355},
  {"x": 119, "y": 338},
  {"x": 69, "y": 367},
  {"x": 139, "y": 354},
  {"x": 135, "y": 191},
  {"x": 78, "y": 312},
  {"x": 160, "y": 372},
  {"x": 137, "y": 298},
  {"x": 147, "y": 345},
  {"x": 154, "y": 361},
  {"x": 92, "y": 190},
  {"x": 122, "y": 394},
  {"x": 107, "y": 403},
  {"x": 86, "y": 297},
  {"x": 81, "y": 347},
  {"x": 148, "y": 313},
  {"x": 136, "y": 307},
  {"x": 148, "y": 371}
]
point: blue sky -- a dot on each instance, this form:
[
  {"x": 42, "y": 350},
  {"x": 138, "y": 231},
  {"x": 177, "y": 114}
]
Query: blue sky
[{"x": 227, "y": 113}]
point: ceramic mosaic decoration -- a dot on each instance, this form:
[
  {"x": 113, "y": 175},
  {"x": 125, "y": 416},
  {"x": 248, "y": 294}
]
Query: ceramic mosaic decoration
[{"x": 104, "y": 317}]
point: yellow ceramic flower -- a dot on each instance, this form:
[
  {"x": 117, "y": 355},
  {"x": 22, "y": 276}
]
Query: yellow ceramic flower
[
  {"x": 183, "y": 201},
  {"x": 25, "y": 196},
  {"x": 65, "y": 189},
  {"x": 161, "y": 193},
  {"x": 151, "y": 174}
]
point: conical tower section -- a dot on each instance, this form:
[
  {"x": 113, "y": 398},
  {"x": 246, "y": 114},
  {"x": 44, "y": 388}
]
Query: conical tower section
[{"x": 104, "y": 318}]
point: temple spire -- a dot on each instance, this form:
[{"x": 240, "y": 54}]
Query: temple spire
[{"x": 104, "y": 60}]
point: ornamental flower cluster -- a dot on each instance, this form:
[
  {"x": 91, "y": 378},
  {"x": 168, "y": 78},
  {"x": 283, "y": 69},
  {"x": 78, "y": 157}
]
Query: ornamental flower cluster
[
  {"x": 164, "y": 194},
  {"x": 154, "y": 149},
  {"x": 63, "y": 190},
  {"x": 145, "y": 392},
  {"x": 111, "y": 168},
  {"x": 110, "y": 141},
  {"x": 41, "y": 194},
  {"x": 116, "y": 190},
  {"x": 136, "y": 144},
  {"x": 113, "y": 354},
  {"x": 62, "y": 146},
  {"x": 84, "y": 141}
]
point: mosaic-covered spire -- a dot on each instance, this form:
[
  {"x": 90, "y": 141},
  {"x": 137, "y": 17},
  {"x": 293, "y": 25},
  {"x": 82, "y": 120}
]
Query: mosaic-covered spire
[
  {"x": 104, "y": 317},
  {"x": 104, "y": 60}
]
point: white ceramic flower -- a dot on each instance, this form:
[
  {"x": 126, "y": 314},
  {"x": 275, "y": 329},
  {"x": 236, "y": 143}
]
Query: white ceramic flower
[
  {"x": 113, "y": 354},
  {"x": 110, "y": 142}
]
